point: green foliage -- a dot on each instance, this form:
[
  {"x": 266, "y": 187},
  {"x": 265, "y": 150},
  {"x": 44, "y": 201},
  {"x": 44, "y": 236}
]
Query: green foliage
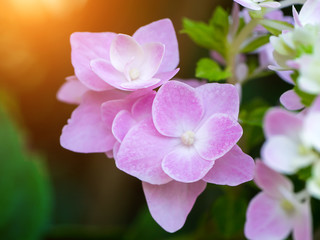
[
  {"x": 210, "y": 70},
  {"x": 229, "y": 214},
  {"x": 254, "y": 43},
  {"x": 251, "y": 118},
  {"x": 305, "y": 173},
  {"x": 212, "y": 36},
  {"x": 253, "y": 112},
  {"x": 24, "y": 189},
  {"x": 275, "y": 27},
  {"x": 145, "y": 227},
  {"x": 306, "y": 98}
]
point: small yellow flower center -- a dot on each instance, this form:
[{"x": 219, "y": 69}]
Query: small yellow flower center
[
  {"x": 303, "y": 150},
  {"x": 188, "y": 138},
  {"x": 134, "y": 73},
  {"x": 287, "y": 206}
]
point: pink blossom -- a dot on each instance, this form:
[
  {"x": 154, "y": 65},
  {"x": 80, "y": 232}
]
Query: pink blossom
[
  {"x": 90, "y": 128},
  {"x": 291, "y": 139},
  {"x": 86, "y": 132},
  {"x": 309, "y": 13},
  {"x": 106, "y": 60},
  {"x": 72, "y": 91},
  {"x": 291, "y": 101},
  {"x": 186, "y": 142},
  {"x": 277, "y": 210}
]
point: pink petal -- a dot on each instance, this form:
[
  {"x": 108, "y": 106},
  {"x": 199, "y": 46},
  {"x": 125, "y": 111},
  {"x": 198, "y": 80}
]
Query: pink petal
[
  {"x": 161, "y": 31},
  {"x": 234, "y": 168},
  {"x": 285, "y": 75},
  {"x": 108, "y": 73},
  {"x": 165, "y": 77},
  {"x": 270, "y": 4},
  {"x": 315, "y": 105},
  {"x": 111, "y": 108},
  {"x": 217, "y": 136},
  {"x": 115, "y": 150},
  {"x": 184, "y": 164},
  {"x": 139, "y": 84},
  {"x": 192, "y": 82},
  {"x": 219, "y": 98},
  {"x": 109, "y": 154},
  {"x": 266, "y": 220},
  {"x": 302, "y": 229},
  {"x": 217, "y": 57},
  {"x": 309, "y": 13},
  {"x": 270, "y": 181},
  {"x": 124, "y": 49},
  {"x": 153, "y": 55},
  {"x": 311, "y": 130},
  {"x": 86, "y": 47},
  {"x": 142, "y": 108},
  {"x": 122, "y": 123},
  {"x": 176, "y": 109},
  {"x": 141, "y": 153},
  {"x": 278, "y": 121},
  {"x": 71, "y": 91},
  {"x": 248, "y": 4},
  {"x": 170, "y": 204},
  {"x": 282, "y": 154},
  {"x": 296, "y": 18},
  {"x": 291, "y": 101},
  {"x": 85, "y": 131}
]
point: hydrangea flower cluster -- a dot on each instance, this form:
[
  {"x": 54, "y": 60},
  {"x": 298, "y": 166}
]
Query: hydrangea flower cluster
[
  {"x": 176, "y": 136},
  {"x": 292, "y": 138},
  {"x": 175, "y": 140}
]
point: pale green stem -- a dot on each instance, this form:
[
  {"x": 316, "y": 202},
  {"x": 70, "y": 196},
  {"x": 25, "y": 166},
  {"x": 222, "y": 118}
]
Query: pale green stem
[{"x": 235, "y": 47}]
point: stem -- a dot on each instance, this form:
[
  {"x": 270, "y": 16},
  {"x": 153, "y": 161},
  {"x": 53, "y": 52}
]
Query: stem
[
  {"x": 235, "y": 47},
  {"x": 243, "y": 35}
]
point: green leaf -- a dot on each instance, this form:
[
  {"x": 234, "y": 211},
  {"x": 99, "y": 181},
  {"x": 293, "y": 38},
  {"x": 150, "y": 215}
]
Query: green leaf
[
  {"x": 229, "y": 214},
  {"x": 251, "y": 118},
  {"x": 209, "y": 69},
  {"x": 255, "y": 43},
  {"x": 212, "y": 36},
  {"x": 254, "y": 117},
  {"x": 306, "y": 98},
  {"x": 305, "y": 173},
  {"x": 201, "y": 33},
  {"x": 220, "y": 22},
  {"x": 275, "y": 27},
  {"x": 25, "y": 200}
]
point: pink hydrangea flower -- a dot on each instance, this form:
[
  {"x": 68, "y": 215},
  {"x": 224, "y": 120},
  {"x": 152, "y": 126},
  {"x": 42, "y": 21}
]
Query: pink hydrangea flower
[
  {"x": 187, "y": 142},
  {"x": 277, "y": 210},
  {"x": 291, "y": 139},
  {"x": 147, "y": 59}
]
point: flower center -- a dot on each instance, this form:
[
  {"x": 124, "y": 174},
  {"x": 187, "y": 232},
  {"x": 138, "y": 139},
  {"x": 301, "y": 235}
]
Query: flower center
[
  {"x": 287, "y": 206},
  {"x": 134, "y": 73},
  {"x": 188, "y": 138}
]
